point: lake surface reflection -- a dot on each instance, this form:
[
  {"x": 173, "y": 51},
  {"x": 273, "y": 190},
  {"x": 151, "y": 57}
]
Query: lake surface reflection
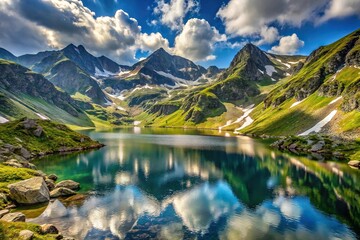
[{"x": 176, "y": 184}]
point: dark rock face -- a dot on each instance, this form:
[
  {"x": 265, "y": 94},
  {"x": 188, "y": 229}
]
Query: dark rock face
[
  {"x": 18, "y": 79},
  {"x": 4, "y": 54},
  {"x": 164, "y": 109},
  {"x": 177, "y": 66}
]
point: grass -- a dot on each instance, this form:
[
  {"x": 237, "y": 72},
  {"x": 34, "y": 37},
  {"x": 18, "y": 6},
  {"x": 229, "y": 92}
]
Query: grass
[
  {"x": 54, "y": 137},
  {"x": 10, "y": 231}
]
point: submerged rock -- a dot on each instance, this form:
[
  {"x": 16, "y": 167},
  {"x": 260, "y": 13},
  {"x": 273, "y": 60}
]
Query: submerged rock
[
  {"x": 26, "y": 235},
  {"x": 14, "y": 217},
  {"x": 30, "y": 191},
  {"x": 61, "y": 192},
  {"x": 70, "y": 184}
]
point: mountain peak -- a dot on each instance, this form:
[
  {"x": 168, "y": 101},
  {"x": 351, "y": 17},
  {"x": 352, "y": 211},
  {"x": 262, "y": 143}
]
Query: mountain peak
[{"x": 161, "y": 51}]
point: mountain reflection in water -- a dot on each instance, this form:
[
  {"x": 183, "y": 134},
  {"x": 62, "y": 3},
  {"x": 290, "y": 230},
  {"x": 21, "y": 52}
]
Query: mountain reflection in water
[{"x": 163, "y": 185}]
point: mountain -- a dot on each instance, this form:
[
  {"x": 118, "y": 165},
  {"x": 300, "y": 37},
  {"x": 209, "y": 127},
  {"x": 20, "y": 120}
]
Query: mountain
[
  {"x": 5, "y": 54},
  {"x": 322, "y": 96},
  {"x": 73, "y": 69},
  {"x": 161, "y": 69},
  {"x": 67, "y": 75},
  {"x": 26, "y": 93},
  {"x": 249, "y": 77}
]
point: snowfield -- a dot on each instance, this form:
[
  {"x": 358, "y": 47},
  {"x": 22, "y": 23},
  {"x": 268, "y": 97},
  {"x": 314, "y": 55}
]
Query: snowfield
[
  {"x": 3, "y": 120},
  {"x": 317, "y": 128},
  {"x": 176, "y": 79},
  {"x": 105, "y": 73},
  {"x": 270, "y": 70}
]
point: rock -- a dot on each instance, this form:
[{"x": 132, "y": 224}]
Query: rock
[
  {"x": 61, "y": 192},
  {"x": 30, "y": 191},
  {"x": 48, "y": 229},
  {"x": 26, "y": 235},
  {"x": 354, "y": 163},
  {"x": 68, "y": 238},
  {"x": 40, "y": 173},
  {"x": 25, "y": 153},
  {"x": 14, "y": 217},
  {"x": 29, "y": 123},
  {"x": 70, "y": 184},
  {"x": 50, "y": 184},
  {"x": 38, "y": 131},
  {"x": 13, "y": 163},
  {"x": 3, "y": 198},
  {"x": 318, "y": 146},
  {"x": 52, "y": 177},
  {"x": 4, "y": 212},
  {"x": 293, "y": 146}
]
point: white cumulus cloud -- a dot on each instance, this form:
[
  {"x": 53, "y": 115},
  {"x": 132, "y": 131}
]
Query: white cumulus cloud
[
  {"x": 288, "y": 45},
  {"x": 197, "y": 40},
  {"x": 173, "y": 12}
]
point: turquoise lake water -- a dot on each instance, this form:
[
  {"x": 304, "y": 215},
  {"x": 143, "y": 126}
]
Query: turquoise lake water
[{"x": 185, "y": 184}]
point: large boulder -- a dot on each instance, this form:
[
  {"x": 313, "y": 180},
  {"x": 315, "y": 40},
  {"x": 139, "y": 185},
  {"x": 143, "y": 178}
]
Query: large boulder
[
  {"x": 70, "y": 184},
  {"x": 61, "y": 192},
  {"x": 26, "y": 235},
  {"x": 30, "y": 191},
  {"x": 14, "y": 217}
]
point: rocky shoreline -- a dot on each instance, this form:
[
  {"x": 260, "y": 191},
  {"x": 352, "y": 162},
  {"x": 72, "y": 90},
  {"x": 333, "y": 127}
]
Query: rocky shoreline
[
  {"x": 320, "y": 147},
  {"x": 36, "y": 187}
]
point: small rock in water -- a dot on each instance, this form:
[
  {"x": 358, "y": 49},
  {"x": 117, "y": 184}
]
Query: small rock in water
[
  {"x": 52, "y": 177},
  {"x": 26, "y": 235},
  {"x": 61, "y": 192},
  {"x": 48, "y": 229},
  {"x": 14, "y": 217},
  {"x": 70, "y": 184}
]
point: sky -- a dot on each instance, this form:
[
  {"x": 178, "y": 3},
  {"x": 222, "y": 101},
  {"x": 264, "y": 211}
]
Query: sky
[{"x": 209, "y": 32}]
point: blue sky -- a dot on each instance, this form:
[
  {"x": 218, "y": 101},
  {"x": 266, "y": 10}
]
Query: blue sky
[{"x": 207, "y": 32}]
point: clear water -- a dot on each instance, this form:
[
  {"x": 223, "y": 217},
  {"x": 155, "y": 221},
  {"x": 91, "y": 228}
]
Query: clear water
[{"x": 172, "y": 184}]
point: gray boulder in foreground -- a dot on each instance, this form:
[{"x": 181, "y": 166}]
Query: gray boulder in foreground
[
  {"x": 30, "y": 191},
  {"x": 14, "y": 217}
]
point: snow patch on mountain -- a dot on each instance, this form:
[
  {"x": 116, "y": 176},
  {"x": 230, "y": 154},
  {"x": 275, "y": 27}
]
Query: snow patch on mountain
[
  {"x": 246, "y": 112},
  {"x": 121, "y": 108},
  {"x": 77, "y": 50},
  {"x": 143, "y": 87},
  {"x": 317, "y": 128},
  {"x": 248, "y": 122},
  {"x": 172, "y": 77},
  {"x": 286, "y": 64},
  {"x": 104, "y": 73},
  {"x": 270, "y": 70},
  {"x": 296, "y": 103},
  {"x": 335, "y": 100},
  {"x": 43, "y": 117},
  {"x": 3, "y": 120}
]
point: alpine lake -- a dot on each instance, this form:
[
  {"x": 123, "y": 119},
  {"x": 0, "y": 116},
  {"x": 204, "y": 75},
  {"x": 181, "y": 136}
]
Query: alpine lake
[{"x": 190, "y": 184}]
